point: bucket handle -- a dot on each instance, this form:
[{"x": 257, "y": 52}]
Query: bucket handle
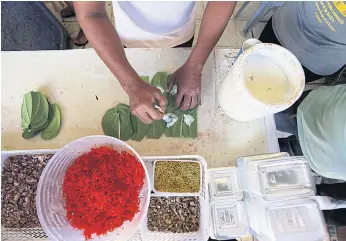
[{"x": 247, "y": 45}]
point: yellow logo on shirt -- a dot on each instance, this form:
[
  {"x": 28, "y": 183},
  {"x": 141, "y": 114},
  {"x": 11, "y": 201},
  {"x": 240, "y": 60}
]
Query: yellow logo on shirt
[{"x": 341, "y": 7}]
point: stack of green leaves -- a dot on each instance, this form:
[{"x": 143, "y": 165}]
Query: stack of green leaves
[
  {"x": 39, "y": 115},
  {"x": 120, "y": 123}
]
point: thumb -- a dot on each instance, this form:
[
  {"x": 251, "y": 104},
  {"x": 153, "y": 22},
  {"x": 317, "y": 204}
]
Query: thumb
[{"x": 161, "y": 99}]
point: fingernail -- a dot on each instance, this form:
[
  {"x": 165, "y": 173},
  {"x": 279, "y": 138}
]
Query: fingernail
[{"x": 159, "y": 108}]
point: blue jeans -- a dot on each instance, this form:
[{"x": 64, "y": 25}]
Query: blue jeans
[{"x": 286, "y": 121}]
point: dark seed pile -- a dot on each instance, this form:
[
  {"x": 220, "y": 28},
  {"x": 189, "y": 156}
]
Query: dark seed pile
[
  {"x": 174, "y": 214},
  {"x": 19, "y": 177}
]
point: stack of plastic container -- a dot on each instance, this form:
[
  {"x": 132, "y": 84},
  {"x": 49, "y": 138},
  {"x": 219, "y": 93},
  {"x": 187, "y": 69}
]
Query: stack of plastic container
[
  {"x": 228, "y": 218},
  {"x": 278, "y": 194}
]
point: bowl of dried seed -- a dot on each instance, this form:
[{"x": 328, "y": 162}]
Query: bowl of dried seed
[{"x": 177, "y": 177}]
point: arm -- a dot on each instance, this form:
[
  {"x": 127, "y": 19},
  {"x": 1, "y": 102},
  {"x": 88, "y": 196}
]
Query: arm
[
  {"x": 102, "y": 35},
  {"x": 188, "y": 77}
]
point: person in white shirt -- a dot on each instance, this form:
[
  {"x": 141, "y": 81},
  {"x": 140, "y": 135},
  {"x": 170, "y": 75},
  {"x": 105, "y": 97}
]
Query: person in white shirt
[{"x": 153, "y": 25}]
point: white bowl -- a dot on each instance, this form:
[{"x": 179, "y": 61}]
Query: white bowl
[{"x": 50, "y": 203}]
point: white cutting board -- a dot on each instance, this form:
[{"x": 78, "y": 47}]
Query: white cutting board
[{"x": 73, "y": 79}]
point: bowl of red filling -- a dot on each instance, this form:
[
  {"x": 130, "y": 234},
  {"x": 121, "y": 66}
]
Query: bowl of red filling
[{"x": 96, "y": 187}]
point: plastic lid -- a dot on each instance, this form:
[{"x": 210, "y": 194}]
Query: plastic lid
[
  {"x": 278, "y": 178},
  {"x": 224, "y": 184},
  {"x": 300, "y": 218},
  {"x": 286, "y": 177},
  {"x": 228, "y": 219},
  {"x": 241, "y": 161},
  {"x": 290, "y": 220}
]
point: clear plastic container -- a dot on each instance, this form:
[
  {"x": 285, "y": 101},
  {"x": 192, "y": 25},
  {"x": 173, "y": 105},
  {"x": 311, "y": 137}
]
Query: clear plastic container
[
  {"x": 277, "y": 178},
  {"x": 203, "y": 232},
  {"x": 224, "y": 184},
  {"x": 228, "y": 217},
  {"x": 286, "y": 220},
  {"x": 49, "y": 198},
  {"x": 242, "y": 161},
  {"x": 228, "y": 220}
]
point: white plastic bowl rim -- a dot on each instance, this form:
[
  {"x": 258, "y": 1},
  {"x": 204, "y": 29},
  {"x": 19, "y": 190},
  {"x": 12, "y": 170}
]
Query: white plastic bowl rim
[{"x": 50, "y": 201}]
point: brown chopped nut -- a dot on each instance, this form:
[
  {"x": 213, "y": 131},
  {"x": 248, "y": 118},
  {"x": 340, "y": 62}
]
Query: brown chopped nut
[
  {"x": 173, "y": 214},
  {"x": 20, "y": 175}
]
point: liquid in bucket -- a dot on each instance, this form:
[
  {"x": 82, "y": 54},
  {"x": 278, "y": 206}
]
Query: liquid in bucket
[{"x": 265, "y": 79}]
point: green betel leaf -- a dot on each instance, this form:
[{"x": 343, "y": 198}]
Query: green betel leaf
[
  {"x": 52, "y": 130},
  {"x": 26, "y": 110},
  {"x": 39, "y": 113},
  {"x": 156, "y": 129},
  {"x": 28, "y": 135},
  {"x": 190, "y": 131},
  {"x": 34, "y": 112},
  {"x": 124, "y": 107},
  {"x": 160, "y": 81},
  {"x": 171, "y": 99},
  {"x": 145, "y": 78},
  {"x": 125, "y": 127},
  {"x": 117, "y": 122},
  {"x": 110, "y": 123},
  {"x": 176, "y": 129},
  {"x": 139, "y": 129},
  {"x": 50, "y": 117},
  {"x": 44, "y": 122}
]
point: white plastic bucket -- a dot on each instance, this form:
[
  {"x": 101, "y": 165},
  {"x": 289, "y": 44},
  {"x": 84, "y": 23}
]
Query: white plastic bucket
[{"x": 265, "y": 79}]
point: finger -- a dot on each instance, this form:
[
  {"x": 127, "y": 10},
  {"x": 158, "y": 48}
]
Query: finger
[
  {"x": 179, "y": 98},
  {"x": 186, "y": 103},
  {"x": 145, "y": 118},
  {"x": 194, "y": 100},
  {"x": 161, "y": 99},
  {"x": 154, "y": 114},
  {"x": 139, "y": 116},
  {"x": 170, "y": 82},
  {"x": 148, "y": 118}
]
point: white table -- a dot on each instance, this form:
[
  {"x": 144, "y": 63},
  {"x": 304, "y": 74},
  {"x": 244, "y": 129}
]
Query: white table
[{"x": 73, "y": 79}]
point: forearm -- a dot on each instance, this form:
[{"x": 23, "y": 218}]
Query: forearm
[
  {"x": 214, "y": 22},
  {"x": 106, "y": 42}
]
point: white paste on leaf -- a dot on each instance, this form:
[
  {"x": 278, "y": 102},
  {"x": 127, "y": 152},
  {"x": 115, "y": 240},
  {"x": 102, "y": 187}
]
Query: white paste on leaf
[
  {"x": 174, "y": 90},
  {"x": 170, "y": 119},
  {"x": 188, "y": 119}
]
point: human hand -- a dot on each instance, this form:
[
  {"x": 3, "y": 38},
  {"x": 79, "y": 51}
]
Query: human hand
[
  {"x": 142, "y": 100},
  {"x": 188, "y": 81}
]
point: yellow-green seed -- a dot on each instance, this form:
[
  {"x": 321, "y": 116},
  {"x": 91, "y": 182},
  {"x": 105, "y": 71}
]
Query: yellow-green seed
[{"x": 177, "y": 176}]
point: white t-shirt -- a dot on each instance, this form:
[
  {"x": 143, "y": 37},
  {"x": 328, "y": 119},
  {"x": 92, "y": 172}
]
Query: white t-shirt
[{"x": 154, "y": 24}]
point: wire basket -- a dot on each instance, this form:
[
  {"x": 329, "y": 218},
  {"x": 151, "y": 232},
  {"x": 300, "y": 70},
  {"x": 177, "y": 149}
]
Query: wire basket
[{"x": 49, "y": 198}]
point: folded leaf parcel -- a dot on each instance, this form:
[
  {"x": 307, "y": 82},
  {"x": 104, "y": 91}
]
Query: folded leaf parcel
[
  {"x": 120, "y": 123},
  {"x": 101, "y": 190}
]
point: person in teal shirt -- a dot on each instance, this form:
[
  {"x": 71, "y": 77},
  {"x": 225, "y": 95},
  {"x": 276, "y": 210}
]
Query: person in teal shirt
[
  {"x": 317, "y": 122},
  {"x": 321, "y": 120}
]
